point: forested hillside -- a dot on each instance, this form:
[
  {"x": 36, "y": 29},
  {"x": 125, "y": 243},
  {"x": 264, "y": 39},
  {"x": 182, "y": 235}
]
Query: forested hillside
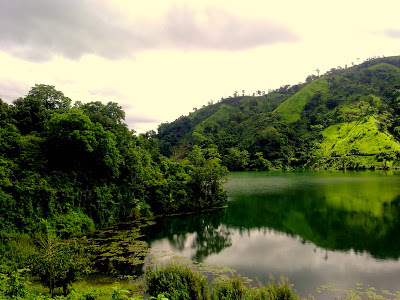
[
  {"x": 347, "y": 118},
  {"x": 78, "y": 166}
]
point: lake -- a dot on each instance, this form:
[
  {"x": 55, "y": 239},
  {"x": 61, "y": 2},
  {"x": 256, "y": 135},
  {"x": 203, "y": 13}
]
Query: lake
[{"x": 314, "y": 228}]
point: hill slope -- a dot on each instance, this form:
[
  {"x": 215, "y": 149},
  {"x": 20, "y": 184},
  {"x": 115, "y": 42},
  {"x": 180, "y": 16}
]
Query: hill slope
[
  {"x": 292, "y": 108},
  {"x": 346, "y": 118}
]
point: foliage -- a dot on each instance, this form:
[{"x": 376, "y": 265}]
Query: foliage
[
  {"x": 58, "y": 263},
  {"x": 67, "y": 170},
  {"x": 13, "y": 284},
  {"x": 177, "y": 282},
  {"x": 80, "y": 167},
  {"x": 293, "y": 127},
  {"x": 73, "y": 223},
  {"x": 357, "y": 292},
  {"x": 292, "y": 108},
  {"x": 225, "y": 288}
]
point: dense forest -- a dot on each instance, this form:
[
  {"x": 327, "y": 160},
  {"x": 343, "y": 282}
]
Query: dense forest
[
  {"x": 67, "y": 169},
  {"x": 57, "y": 159},
  {"x": 347, "y": 118}
]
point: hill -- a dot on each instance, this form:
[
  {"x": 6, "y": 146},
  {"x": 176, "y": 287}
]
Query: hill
[{"x": 346, "y": 118}]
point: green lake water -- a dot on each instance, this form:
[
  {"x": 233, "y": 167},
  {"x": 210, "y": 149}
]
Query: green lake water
[{"x": 314, "y": 228}]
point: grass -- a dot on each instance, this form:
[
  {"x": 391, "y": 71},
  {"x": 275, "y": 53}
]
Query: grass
[
  {"x": 358, "y": 138},
  {"x": 385, "y": 67},
  {"x": 175, "y": 281},
  {"x": 291, "y": 108},
  {"x": 221, "y": 116},
  {"x": 97, "y": 287}
]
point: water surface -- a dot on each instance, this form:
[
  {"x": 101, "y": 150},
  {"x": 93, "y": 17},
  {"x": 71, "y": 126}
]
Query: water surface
[{"x": 313, "y": 227}]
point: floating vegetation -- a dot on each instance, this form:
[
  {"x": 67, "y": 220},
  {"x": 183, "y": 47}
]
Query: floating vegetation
[
  {"x": 357, "y": 292},
  {"x": 120, "y": 249}
]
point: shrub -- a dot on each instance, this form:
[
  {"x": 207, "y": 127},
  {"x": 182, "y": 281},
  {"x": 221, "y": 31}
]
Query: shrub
[
  {"x": 177, "y": 282},
  {"x": 73, "y": 223},
  {"x": 281, "y": 291},
  {"x": 226, "y": 288}
]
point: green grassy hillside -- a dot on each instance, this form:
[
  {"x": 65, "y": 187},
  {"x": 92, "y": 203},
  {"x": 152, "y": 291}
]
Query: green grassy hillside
[
  {"x": 346, "y": 118},
  {"x": 361, "y": 137},
  {"x": 361, "y": 141},
  {"x": 221, "y": 116},
  {"x": 292, "y": 108}
]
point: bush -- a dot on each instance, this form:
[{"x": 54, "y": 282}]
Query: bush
[
  {"x": 228, "y": 289},
  {"x": 281, "y": 291},
  {"x": 73, "y": 223},
  {"x": 12, "y": 285},
  {"x": 177, "y": 282}
]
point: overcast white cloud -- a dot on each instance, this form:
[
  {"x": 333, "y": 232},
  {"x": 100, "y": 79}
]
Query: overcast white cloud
[
  {"x": 10, "y": 89},
  {"x": 393, "y": 33},
  {"x": 38, "y": 30},
  {"x": 160, "y": 59}
]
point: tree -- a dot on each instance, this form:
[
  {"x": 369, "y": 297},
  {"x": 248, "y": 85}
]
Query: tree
[
  {"x": 51, "y": 98},
  {"x": 385, "y": 157},
  {"x": 34, "y": 110},
  {"x": 58, "y": 263},
  {"x": 4, "y": 113},
  {"x": 237, "y": 160},
  {"x": 110, "y": 116},
  {"x": 310, "y": 78},
  {"x": 205, "y": 180},
  {"x": 82, "y": 145}
]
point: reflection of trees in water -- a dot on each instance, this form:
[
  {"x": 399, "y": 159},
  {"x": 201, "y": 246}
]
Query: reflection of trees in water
[
  {"x": 311, "y": 218},
  {"x": 210, "y": 235},
  {"x": 178, "y": 241},
  {"x": 314, "y": 220},
  {"x": 210, "y": 241}
]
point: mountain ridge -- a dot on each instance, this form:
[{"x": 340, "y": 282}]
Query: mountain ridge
[{"x": 291, "y": 127}]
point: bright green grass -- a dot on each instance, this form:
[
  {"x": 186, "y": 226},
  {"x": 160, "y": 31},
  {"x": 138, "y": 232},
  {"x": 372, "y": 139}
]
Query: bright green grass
[
  {"x": 385, "y": 67},
  {"x": 100, "y": 287},
  {"x": 223, "y": 113},
  {"x": 290, "y": 109},
  {"x": 221, "y": 116},
  {"x": 358, "y": 137}
]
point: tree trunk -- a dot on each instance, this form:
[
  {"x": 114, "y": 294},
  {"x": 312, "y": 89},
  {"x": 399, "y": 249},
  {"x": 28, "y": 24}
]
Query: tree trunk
[{"x": 65, "y": 289}]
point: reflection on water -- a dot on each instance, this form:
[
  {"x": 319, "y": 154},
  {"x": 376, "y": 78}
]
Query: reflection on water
[
  {"x": 198, "y": 236},
  {"x": 313, "y": 227}
]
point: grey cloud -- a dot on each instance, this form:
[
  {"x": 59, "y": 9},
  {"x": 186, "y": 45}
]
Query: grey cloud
[
  {"x": 132, "y": 118},
  {"x": 11, "y": 90},
  {"x": 38, "y": 30},
  {"x": 393, "y": 33},
  {"x": 108, "y": 92},
  {"x": 216, "y": 29}
]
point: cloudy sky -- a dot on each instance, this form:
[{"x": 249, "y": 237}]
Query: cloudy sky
[{"x": 160, "y": 59}]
